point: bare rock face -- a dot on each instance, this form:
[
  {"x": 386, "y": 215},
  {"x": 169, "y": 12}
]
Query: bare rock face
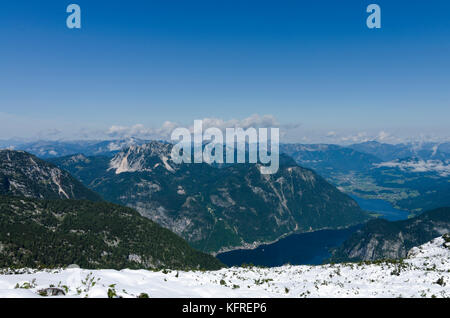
[{"x": 381, "y": 239}]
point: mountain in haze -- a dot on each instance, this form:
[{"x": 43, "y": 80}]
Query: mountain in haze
[
  {"x": 330, "y": 160},
  {"x": 381, "y": 239},
  {"x": 52, "y": 149},
  {"x": 386, "y": 152},
  {"x": 22, "y": 174},
  {"x": 10, "y": 143},
  {"x": 412, "y": 183},
  {"x": 56, "y": 233},
  {"x": 389, "y": 152},
  {"x": 216, "y": 209}
]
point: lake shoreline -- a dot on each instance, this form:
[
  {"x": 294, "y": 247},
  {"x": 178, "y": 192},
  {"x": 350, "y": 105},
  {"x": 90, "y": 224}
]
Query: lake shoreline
[
  {"x": 308, "y": 247},
  {"x": 255, "y": 245}
]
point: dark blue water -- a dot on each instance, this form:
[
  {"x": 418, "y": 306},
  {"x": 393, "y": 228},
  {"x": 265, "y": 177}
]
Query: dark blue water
[
  {"x": 308, "y": 248},
  {"x": 382, "y": 207}
]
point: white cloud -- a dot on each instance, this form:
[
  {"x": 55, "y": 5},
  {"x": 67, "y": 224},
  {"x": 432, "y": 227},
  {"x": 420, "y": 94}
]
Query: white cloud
[
  {"x": 351, "y": 137},
  {"x": 164, "y": 132},
  {"x": 140, "y": 131},
  {"x": 440, "y": 167},
  {"x": 27, "y": 128},
  {"x": 382, "y": 135},
  {"x": 355, "y": 138},
  {"x": 255, "y": 121}
]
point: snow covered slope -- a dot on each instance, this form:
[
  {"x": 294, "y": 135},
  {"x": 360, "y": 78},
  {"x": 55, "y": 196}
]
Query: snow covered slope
[{"x": 425, "y": 273}]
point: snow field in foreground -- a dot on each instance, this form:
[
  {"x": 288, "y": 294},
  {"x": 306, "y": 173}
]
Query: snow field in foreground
[{"x": 425, "y": 273}]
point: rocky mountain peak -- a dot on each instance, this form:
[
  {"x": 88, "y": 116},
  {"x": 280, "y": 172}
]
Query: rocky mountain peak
[
  {"x": 140, "y": 158},
  {"x": 22, "y": 174}
]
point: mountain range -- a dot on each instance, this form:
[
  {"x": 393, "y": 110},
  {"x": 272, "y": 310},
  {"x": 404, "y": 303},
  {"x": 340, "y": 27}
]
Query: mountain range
[
  {"x": 330, "y": 160},
  {"x": 54, "y": 148},
  {"x": 381, "y": 151},
  {"x": 416, "y": 178},
  {"x": 371, "y": 170},
  {"x": 216, "y": 208},
  {"x": 388, "y": 152}
]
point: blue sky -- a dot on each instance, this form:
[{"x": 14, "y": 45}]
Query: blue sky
[{"x": 312, "y": 66}]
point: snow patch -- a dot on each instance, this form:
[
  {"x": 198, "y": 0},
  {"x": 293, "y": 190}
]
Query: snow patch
[{"x": 425, "y": 273}]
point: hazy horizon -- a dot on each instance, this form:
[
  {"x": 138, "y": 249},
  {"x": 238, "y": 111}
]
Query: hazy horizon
[{"x": 312, "y": 69}]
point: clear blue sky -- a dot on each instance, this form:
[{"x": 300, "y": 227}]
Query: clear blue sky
[{"x": 313, "y": 63}]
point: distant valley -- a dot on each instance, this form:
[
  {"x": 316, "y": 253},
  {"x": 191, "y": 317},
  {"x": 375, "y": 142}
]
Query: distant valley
[
  {"x": 216, "y": 209},
  {"x": 411, "y": 177}
]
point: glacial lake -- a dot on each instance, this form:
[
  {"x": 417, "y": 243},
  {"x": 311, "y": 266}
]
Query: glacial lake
[{"x": 308, "y": 248}]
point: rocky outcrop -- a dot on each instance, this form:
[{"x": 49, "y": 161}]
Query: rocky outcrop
[{"x": 381, "y": 239}]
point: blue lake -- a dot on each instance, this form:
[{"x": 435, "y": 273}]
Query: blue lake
[
  {"x": 308, "y": 248},
  {"x": 382, "y": 207},
  {"x": 305, "y": 248}
]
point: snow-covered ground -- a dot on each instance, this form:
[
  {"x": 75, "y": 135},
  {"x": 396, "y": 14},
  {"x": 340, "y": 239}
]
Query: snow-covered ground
[{"x": 425, "y": 273}]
